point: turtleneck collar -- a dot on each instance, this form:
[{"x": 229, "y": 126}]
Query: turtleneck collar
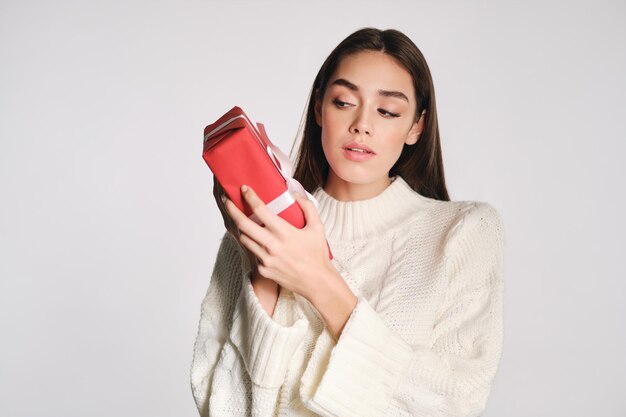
[{"x": 370, "y": 217}]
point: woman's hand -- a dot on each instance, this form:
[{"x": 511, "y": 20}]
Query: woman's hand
[
  {"x": 231, "y": 227},
  {"x": 296, "y": 259}
]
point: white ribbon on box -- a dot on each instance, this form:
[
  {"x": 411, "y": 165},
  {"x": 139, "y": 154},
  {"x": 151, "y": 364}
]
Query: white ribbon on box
[{"x": 281, "y": 162}]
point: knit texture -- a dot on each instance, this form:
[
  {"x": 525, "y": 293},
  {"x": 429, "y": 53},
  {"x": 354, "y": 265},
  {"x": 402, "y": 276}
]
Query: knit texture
[{"x": 424, "y": 340}]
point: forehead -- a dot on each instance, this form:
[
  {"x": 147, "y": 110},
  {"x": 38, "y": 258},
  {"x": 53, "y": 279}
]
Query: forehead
[{"x": 372, "y": 71}]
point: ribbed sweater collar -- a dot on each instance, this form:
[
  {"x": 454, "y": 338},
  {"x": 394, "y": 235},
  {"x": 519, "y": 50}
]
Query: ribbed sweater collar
[{"x": 345, "y": 220}]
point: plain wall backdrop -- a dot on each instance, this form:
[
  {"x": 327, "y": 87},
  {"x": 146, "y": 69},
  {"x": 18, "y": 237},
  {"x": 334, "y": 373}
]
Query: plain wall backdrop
[{"x": 109, "y": 229}]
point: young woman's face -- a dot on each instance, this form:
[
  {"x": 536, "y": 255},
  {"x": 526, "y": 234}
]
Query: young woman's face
[{"x": 369, "y": 102}]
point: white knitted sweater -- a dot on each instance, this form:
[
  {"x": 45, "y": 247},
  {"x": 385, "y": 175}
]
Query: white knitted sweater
[{"x": 424, "y": 340}]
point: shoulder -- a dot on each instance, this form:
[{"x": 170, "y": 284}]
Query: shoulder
[
  {"x": 476, "y": 214},
  {"x": 447, "y": 224},
  {"x": 457, "y": 215},
  {"x": 474, "y": 223},
  {"x": 453, "y": 221}
]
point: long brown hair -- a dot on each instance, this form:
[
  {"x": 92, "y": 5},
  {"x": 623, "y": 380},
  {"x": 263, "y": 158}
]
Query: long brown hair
[{"x": 421, "y": 164}]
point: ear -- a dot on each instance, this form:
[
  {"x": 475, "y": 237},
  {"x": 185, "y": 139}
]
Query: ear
[
  {"x": 416, "y": 130},
  {"x": 317, "y": 107}
]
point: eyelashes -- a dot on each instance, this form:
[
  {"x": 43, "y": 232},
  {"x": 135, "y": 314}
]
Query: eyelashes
[{"x": 340, "y": 104}]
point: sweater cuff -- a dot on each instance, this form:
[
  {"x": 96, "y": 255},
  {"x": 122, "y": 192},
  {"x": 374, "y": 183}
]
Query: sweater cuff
[
  {"x": 362, "y": 370},
  {"x": 265, "y": 345}
]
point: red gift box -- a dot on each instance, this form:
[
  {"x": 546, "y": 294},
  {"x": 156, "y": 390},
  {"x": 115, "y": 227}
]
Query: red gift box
[{"x": 238, "y": 153}]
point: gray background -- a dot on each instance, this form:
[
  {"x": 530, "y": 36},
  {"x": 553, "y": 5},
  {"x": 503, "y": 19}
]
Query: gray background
[{"x": 108, "y": 227}]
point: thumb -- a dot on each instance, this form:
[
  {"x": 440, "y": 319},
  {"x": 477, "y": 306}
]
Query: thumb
[{"x": 310, "y": 211}]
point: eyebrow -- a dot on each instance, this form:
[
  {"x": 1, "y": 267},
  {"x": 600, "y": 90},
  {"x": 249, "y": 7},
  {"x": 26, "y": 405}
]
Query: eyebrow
[{"x": 384, "y": 93}]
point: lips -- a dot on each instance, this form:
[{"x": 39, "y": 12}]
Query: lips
[
  {"x": 357, "y": 156},
  {"x": 358, "y": 150},
  {"x": 354, "y": 145}
]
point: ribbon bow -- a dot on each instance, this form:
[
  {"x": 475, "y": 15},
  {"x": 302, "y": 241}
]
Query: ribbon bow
[{"x": 285, "y": 167}]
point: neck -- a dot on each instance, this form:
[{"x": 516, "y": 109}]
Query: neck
[
  {"x": 342, "y": 190},
  {"x": 370, "y": 217}
]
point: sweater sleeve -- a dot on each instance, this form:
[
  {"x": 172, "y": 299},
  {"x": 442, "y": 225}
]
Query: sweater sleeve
[
  {"x": 372, "y": 371},
  {"x": 232, "y": 313},
  {"x": 216, "y": 309},
  {"x": 266, "y": 344}
]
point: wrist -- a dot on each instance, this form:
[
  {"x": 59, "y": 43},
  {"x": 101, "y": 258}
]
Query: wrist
[{"x": 335, "y": 302}]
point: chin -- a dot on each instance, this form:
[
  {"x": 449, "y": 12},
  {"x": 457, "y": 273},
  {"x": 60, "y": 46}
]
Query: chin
[{"x": 356, "y": 175}]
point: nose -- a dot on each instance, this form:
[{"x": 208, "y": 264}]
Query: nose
[{"x": 361, "y": 125}]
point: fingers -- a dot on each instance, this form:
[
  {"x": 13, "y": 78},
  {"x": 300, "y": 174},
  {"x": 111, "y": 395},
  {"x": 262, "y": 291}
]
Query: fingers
[
  {"x": 257, "y": 250},
  {"x": 310, "y": 211},
  {"x": 270, "y": 220},
  {"x": 247, "y": 225},
  {"x": 274, "y": 226}
]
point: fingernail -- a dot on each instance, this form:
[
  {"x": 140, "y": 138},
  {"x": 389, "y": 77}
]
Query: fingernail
[
  {"x": 223, "y": 198},
  {"x": 244, "y": 188}
]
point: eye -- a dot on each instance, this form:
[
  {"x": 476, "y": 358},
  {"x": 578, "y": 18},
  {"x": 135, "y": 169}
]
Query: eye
[
  {"x": 389, "y": 113},
  {"x": 339, "y": 103}
]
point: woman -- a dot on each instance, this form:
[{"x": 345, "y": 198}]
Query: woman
[{"x": 406, "y": 320}]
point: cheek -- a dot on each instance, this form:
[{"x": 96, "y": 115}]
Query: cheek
[
  {"x": 332, "y": 130},
  {"x": 331, "y": 120},
  {"x": 337, "y": 117},
  {"x": 393, "y": 147},
  {"x": 327, "y": 145}
]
